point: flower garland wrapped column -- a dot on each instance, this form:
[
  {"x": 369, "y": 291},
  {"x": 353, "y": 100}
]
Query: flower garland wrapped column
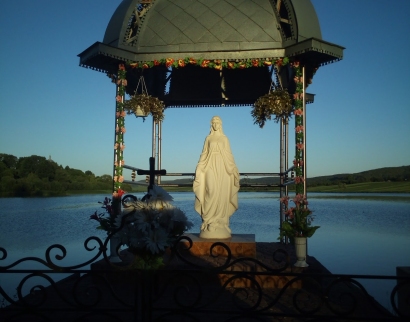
[
  {"x": 299, "y": 161},
  {"x": 119, "y": 145},
  {"x": 298, "y": 220}
]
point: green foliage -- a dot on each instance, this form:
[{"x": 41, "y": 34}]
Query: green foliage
[
  {"x": 46, "y": 170},
  {"x": 105, "y": 178},
  {"x": 298, "y": 219},
  {"x": 27, "y": 165},
  {"x": 10, "y": 161},
  {"x": 38, "y": 176},
  {"x": 147, "y": 261}
]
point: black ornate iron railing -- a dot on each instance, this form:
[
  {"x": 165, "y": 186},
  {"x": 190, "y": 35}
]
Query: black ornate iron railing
[{"x": 189, "y": 288}]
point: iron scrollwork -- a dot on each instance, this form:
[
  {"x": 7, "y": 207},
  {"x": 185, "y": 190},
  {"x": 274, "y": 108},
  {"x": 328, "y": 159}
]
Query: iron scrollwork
[{"x": 218, "y": 286}]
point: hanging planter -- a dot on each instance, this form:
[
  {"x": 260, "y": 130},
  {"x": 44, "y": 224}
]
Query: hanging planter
[
  {"x": 139, "y": 112},
  {"x": 276, "y": 103},
  {"x": 141, "y": 105}
]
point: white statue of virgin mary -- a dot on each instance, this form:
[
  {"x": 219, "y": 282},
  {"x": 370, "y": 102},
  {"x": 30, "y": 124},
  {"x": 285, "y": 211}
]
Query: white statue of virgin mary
[{"x": 216, "y": 184}]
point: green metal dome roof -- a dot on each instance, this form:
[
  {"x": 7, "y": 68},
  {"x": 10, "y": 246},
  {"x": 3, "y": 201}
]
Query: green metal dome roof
[
  {"x": 144, "y": 30},
  {"x": 172, "y": 26}
]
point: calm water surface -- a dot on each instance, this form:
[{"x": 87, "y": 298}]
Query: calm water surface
[{"x": 359, "y": 234}]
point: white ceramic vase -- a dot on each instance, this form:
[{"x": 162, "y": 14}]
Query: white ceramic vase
[{"x": 300, "y": 248}]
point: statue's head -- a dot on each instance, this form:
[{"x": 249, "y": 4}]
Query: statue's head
[
  {"x": 216, "y": 118},
  {"x": 216, "y": 124}
]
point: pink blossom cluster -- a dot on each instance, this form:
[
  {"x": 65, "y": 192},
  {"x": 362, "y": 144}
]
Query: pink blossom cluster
[
  {"x": 120, "y": 114},
  {"x": 118, "y": 194},
  {"x": 120, "y": 163},
  {"x": 299, "y": 129},
  {"x": 122, "y": 129},
  {"x": 285, "y": 200},
  {"x": 118, "y": 179},
  {"x": 121, "y": 146},
  {"x": 289, "y": 213},
  {"x": 299, "y": 179},
  {"x": 295, "y": 64},
  {"x": 122, "y": 82},
  {"x": 300, "y": 199}
]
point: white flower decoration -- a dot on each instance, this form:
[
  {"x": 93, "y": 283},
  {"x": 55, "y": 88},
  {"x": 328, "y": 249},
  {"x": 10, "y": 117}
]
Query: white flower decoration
[{"x": 151, "y": 225}]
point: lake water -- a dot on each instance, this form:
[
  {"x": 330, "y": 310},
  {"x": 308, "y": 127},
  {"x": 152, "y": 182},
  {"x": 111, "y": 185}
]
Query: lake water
[{"x": 360, "y": 233}]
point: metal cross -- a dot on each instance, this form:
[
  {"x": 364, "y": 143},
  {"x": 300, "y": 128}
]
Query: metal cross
[{"x": 151, "y": 172}]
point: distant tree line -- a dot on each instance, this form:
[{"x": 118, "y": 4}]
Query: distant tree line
[
  {"x": 37, "y": 176},
  {"x": 390, "y": 174}
]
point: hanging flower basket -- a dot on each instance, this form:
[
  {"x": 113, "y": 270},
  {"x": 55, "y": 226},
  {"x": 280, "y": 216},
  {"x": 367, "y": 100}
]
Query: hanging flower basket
[
  {"x": 141, "y": 105},
  {"x": 277, "y": 103}
]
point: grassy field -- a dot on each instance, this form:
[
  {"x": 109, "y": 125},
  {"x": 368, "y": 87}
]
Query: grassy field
[{"x": 381, "y": 187}]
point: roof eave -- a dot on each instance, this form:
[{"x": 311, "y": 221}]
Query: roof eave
[
  {"x": 104, "y": 58},
  {"x": 99, "y": 56},
  {"x": 324, "y": 52}
]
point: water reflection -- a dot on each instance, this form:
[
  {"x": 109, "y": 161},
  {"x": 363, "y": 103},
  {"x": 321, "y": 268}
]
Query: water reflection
[{"x": 359, "y": 234}]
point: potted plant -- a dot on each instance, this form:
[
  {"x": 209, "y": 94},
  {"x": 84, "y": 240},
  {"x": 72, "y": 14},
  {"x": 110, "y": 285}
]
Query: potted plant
[
  {"x": 298, "y": 226},
  {"x": 277, "y": 103},
  {"x": 147, "y": 226}
]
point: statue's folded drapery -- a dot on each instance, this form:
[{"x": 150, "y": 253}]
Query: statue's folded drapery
[{"x": 216, "y": 184}]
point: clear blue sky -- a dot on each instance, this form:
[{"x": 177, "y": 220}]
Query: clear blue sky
[{"x": 51, "y": 106}]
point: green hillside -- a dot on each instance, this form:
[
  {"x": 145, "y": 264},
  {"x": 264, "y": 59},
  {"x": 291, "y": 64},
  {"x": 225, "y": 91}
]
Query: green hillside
[
  {"x": 387, "y": 180},
  {"x": 371, "y": 187},
  {"x": 38, "y": 176}
]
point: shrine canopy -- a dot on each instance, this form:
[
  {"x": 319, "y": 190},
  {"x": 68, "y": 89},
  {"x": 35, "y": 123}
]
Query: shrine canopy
[{"x": 237, "y": 39}]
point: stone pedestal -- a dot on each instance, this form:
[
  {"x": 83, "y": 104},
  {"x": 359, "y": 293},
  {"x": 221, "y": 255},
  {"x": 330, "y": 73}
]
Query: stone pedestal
[{"x": 241, "y": 245}]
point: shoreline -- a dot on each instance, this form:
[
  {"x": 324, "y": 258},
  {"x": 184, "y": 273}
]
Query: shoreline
[{"x": 329, "y": 193}]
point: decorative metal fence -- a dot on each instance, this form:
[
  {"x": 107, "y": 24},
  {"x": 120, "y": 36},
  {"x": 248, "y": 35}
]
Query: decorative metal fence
[{"x": 189, "y": 288}]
